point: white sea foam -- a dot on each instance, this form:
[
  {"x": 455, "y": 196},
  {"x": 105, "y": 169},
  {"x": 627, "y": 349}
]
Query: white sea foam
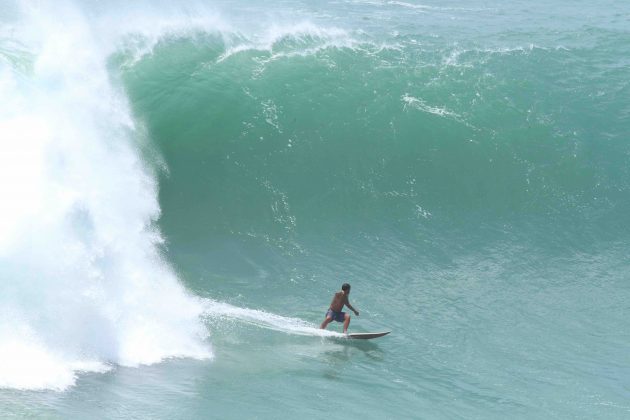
[
  {"x": 214, "y": 309},
  {"x": 421, "y": 105},
  {"x": 410, "y": 5},
  {"x": 83, "y": 285},
  {"x": 309, "y": 38},
  {"x": 441, "y": 111},
  {"x": 424, "y": 7}
]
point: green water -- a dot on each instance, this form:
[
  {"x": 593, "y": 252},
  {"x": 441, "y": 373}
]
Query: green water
[{"x": 464, "y": 165}]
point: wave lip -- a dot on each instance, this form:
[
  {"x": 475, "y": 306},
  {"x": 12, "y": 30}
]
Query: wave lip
[{"x": 304, "y": 38}]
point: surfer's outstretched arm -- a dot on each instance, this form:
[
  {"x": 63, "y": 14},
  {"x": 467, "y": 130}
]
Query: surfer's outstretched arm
[{"x": 347, "y": 303}]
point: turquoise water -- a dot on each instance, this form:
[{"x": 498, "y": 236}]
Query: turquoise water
[{"x": 186, "y": 184}]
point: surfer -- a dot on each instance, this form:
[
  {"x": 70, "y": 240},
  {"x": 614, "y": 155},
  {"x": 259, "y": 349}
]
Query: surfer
[{"x": 334, "y": 312}]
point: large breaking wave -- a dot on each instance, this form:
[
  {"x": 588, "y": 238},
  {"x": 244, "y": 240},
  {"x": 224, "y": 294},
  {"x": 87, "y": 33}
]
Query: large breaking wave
[{"x": 83, "y": 284}]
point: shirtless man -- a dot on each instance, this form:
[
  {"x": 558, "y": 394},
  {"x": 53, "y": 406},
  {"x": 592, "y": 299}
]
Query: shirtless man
[{"x": 334, "y": 312}]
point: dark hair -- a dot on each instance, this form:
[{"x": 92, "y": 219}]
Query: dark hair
[{"x": 345, "y": 287}]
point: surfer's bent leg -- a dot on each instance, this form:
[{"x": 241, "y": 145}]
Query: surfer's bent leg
[
  {"x": 325, "y": 323},
  {"x": 346, "y": 322}
]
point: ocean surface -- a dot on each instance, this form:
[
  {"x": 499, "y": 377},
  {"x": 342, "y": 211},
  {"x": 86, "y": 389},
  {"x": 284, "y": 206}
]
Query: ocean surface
[{"x": 185, "y": 184}]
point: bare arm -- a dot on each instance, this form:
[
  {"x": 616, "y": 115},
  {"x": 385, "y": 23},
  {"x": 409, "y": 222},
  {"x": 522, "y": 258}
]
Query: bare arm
[{"x": 347, "y": 303}]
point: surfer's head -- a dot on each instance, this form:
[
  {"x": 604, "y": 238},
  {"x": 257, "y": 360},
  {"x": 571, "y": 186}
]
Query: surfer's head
[{"x": 346, "y": 288}]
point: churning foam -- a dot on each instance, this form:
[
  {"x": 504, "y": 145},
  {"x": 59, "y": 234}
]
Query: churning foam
[{"x": 82, "y": 283}]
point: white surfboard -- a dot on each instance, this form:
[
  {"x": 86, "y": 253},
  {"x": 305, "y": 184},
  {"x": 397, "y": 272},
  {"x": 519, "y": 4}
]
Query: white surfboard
[{"x": 367, "y": 336}]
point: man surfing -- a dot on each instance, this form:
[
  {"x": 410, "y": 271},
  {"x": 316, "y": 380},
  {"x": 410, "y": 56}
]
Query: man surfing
[{"x": 334, "y": 312}]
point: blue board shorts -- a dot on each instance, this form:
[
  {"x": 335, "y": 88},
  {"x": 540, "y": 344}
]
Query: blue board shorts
[{"x": 336, "y": 316}]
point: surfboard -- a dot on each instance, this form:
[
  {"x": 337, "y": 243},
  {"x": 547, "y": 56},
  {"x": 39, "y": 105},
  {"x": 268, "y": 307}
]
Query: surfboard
[{"x": 367, "y": 336}]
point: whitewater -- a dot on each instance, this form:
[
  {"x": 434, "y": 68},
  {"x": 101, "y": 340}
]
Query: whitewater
[
  {"x": 183, "y": 186},
  {"x": 86, "y": 286}
]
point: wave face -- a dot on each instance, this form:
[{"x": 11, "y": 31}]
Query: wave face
[{"x": 280, "y": 133}]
